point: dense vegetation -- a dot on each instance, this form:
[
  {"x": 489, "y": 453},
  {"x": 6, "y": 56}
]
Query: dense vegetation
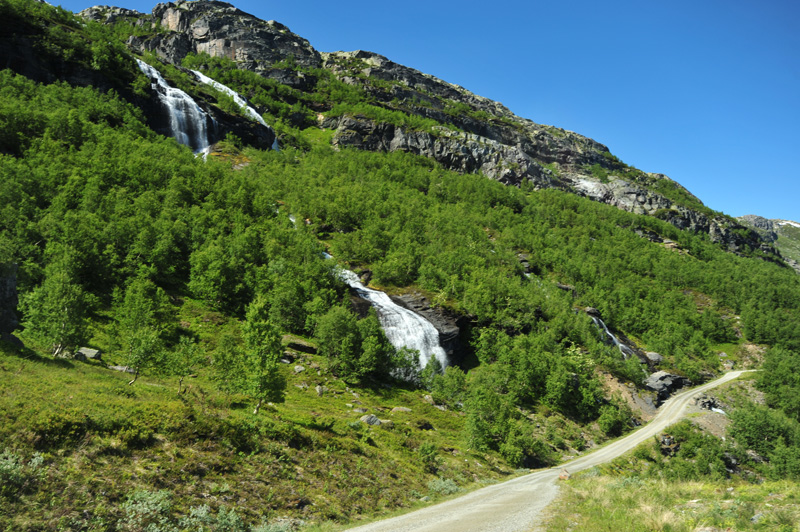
[
  {"x": 124, "y": 240},
  {"x": 691, "y": 479}
]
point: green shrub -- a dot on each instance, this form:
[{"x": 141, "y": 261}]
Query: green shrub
[
  {"x": 428, "y": 454},
  {"x": 16, "y": 475},
  {"x": 53, "y": 429},
  {"x": 147, "y": 511},
  {"x": 443, "y": 486},
  {"x": 203, "y": 519},
  {"x": 613, "y": 420}
]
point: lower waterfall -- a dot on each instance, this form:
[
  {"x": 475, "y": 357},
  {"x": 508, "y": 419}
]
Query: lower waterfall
[
  {"x": 403, "y": 327},
  {"x": 188, "y": 123}
]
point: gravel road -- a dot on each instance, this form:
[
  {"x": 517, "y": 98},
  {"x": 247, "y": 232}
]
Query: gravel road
[{"x": 516, "y": 505}]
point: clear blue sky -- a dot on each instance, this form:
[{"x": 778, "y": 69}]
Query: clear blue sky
[{"x": 704, "y": 91}]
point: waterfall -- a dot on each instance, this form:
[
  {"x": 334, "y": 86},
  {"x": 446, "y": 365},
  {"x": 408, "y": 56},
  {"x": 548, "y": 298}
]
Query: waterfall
[
  {"x": 402, "y": 327},
  {"x": 241, "y": 102},
  {"x": 188, "y": 123},
  {"x": 624, "y": 349}
]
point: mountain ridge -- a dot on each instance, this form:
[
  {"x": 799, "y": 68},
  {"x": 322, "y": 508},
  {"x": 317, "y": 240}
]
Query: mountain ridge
[{"x": 472, "y": 133}]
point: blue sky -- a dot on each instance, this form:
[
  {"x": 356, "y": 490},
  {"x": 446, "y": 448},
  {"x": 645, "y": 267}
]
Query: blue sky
[{"x": 704, "y": 91}]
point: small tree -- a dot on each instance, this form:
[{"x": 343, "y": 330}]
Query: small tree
[
  {"x": 57, "y": 310},
  {"x": 262, "y": 351},
  {"x": 355, "y": 348},
  {"x": 143, "y": 318},
  {"x": 183, "y": 359},
  {"x": 432, "y": 370}
]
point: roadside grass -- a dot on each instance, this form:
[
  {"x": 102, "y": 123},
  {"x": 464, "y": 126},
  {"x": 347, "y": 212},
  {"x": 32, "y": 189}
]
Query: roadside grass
[{"x": 596, "y": 501}]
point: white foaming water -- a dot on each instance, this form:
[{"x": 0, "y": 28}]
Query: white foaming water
[
  {"x": 402, "y": 327},
  {"x": 188, "y": 123},
  {"x": 249, "y": 111},
  {"x": 241, "y": 102},
  {"x": 624, "y": 349}
]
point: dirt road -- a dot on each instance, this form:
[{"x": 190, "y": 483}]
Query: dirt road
[{"x": 516, "y": 505}]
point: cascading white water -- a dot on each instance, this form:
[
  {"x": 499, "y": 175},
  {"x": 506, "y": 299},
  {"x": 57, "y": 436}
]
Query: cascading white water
[
  {"x": 402, "y": 327},
  {"x": 188, "y": 123},
  {"x": 624, "y": 349},
  {"x": 241, "y": 102}
]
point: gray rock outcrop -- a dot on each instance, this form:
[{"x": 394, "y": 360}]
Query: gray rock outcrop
[
  {"x": 767, "y": 227},
  {"x": 665, "y": 384},
  {"x": 785, "y": 234},
  {"x": 370, "y": 419},
  {"x": 220, "y": 30}
]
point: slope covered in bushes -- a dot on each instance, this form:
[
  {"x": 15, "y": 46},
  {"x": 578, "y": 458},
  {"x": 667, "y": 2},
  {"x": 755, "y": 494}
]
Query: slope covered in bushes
[{"x": 212, "y": 272}]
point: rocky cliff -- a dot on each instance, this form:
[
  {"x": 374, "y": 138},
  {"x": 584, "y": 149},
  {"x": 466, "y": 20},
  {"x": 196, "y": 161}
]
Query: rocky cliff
[
  {"x": 460, "y": 130},
  {"x": 220, "y": 30},
  {"x": 785, "y": 234}
]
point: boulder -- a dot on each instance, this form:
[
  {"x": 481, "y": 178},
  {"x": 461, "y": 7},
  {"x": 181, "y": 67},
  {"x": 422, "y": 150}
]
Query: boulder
[
  {"x": 401, "y": 409},
  {"x": 654, "y": 358},
  {"x": 124, "y": 369},
  {"x": 664, "y": 384},
  {"x": 299, "y": 369},
  {"x": 370, "y": 419},
  {"x": 89, "y": 354}
]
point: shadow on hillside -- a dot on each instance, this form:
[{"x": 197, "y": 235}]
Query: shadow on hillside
[{"x": 12, "y": 348}]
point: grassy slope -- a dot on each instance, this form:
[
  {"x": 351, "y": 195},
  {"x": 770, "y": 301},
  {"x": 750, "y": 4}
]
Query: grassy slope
[
  {"x": 789, "y": 242},
  {"x": 597, "y": 502},
  {"x": 308, "y": 458}
]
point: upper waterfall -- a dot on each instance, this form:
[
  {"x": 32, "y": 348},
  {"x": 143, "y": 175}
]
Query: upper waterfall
[
  {"x": 188, "y": 123},
  {"x": 403, "y": 327},
  {"x": 237, "y": 98}
]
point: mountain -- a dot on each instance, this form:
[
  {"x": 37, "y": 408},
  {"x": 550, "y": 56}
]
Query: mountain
[
  {"x": 785, "y": 234},
  {"x": 217, "y": 245},
  {"x": 458, "y": 129}
]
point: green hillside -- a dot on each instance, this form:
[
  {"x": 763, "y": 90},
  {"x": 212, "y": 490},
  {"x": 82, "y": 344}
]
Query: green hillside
[
  {"x": 208, "y": 279},
  {"x": 789, "y": 240}
]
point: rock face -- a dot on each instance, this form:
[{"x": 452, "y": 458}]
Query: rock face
[
  {"x": 481, "y": 136},
  {"x": 765, "y": 226},
  {"x": 665, "y": 384},
  {"x": 785, "y": 234},
  {"x": 464, "y": 132},
  {"x": 220, "y": 30}
]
